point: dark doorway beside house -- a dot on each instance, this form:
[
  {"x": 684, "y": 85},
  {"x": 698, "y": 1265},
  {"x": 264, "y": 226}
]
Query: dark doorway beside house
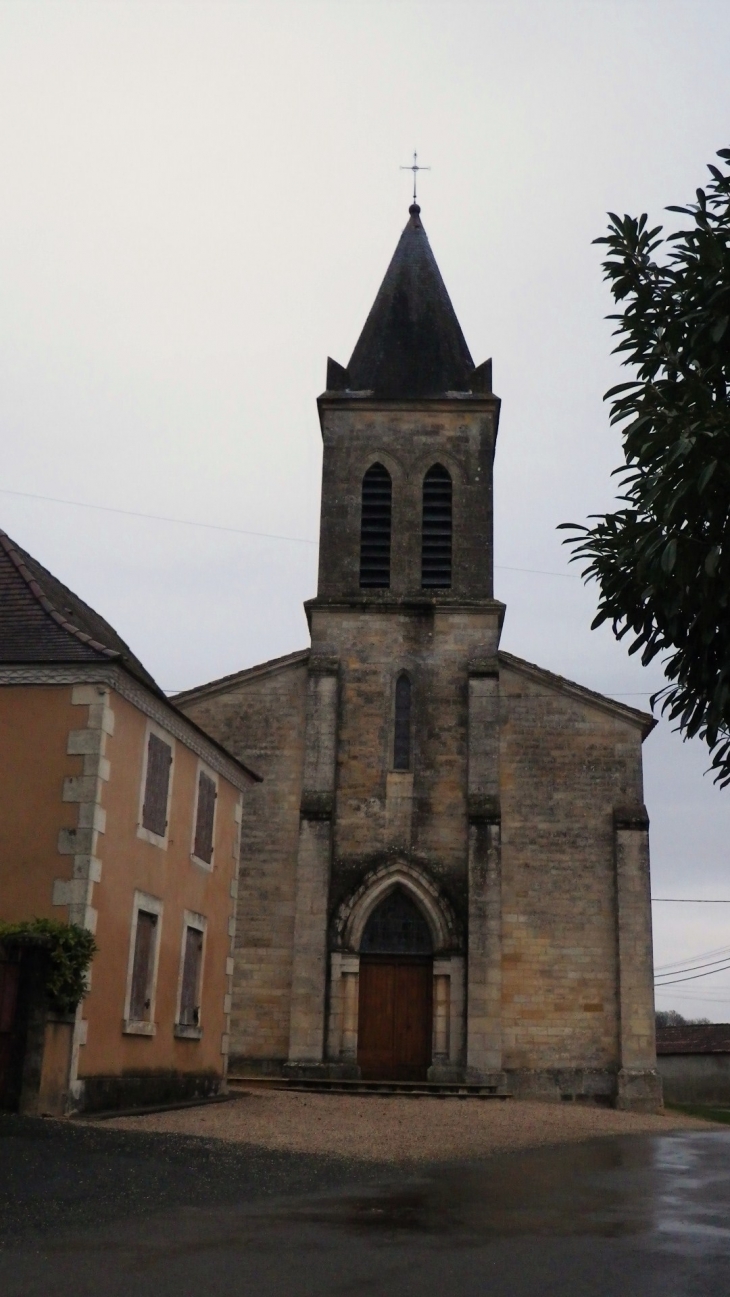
[
  {"x": 21, "y": 979},
  {"x": 12, "y": 1035},
  {"x": 396, "y": 980}
]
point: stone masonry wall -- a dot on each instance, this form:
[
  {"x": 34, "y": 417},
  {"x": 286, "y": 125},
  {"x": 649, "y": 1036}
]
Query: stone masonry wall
[
  {"x": 565, "y": 765},
  {"x": 434, "y": 647},
  {"x": 460, "y": 435},
  {"x": 260, "y": 719}
]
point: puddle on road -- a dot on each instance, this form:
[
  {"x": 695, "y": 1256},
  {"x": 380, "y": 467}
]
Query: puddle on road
[{"x": 666, "y": 1185}]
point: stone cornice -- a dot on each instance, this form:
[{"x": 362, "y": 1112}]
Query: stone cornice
[
  {"x": 580, "y": 693},
  {"x": 224, "y": 683},
  {"x": 414, "y": 606},
  {"x": 350, "y": 400}
]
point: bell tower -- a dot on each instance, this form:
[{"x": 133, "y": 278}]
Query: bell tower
[
  {"x": 401, "y": 759},
  {"x": 412, "y": 416}
]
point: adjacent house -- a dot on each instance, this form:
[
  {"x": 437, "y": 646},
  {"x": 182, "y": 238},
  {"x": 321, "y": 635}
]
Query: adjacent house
[{"x": 121, "y": 815}]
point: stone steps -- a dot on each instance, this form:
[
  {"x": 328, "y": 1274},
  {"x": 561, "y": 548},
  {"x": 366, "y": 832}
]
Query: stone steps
[{"x": 414, "y": 1089}]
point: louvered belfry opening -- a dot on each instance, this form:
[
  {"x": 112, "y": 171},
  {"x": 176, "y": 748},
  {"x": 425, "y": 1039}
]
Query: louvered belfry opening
[
  {"x": 377, "y": 499},
  {"x": 436, "y": 532}
]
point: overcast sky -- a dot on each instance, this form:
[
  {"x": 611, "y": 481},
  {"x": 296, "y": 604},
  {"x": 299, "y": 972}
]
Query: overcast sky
[{"x": 199, "y": 203}]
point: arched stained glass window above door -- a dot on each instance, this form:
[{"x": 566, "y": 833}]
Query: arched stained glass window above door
[{"x": 396, "y": 927}]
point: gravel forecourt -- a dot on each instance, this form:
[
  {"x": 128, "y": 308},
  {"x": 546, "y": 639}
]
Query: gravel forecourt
[{"x": 398, "y": 1129}]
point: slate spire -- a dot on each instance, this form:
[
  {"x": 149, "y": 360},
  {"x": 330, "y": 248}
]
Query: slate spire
[{"x": 412, "y": 344}]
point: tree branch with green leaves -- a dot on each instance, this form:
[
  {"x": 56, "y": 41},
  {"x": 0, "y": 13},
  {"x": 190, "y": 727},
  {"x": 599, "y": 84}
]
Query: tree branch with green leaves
[{"x": 662, "y": 560}]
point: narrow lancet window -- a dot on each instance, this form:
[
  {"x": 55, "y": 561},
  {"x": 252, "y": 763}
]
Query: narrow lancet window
[
  {"x": 402, "y": 729},
  {"x": 436, "y": 531},
  {"x": 377, "y": 495}
]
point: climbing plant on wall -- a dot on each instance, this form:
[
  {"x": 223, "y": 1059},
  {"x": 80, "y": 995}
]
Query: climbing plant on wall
[{"x": 69, "y": 950}]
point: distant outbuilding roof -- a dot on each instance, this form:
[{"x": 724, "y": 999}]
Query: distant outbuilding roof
[
  {"x": 695, "y": 1038},
  {"x": 41, "y": 620},
  {"x": 412, "y": 344}
]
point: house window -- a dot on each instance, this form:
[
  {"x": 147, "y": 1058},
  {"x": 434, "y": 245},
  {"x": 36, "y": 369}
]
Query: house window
[
  {"x": 402, "y": 727},
  {"x": 204, "y": 819},
  {"x": 436, "y": 529},
  {"x": 377, "y": 495},
  {"x": 188, "y": 1022},
  {"x": 142, "y": 970},
  {"x": 144, "y": 951},
  {"x": 156, "y": 789}
]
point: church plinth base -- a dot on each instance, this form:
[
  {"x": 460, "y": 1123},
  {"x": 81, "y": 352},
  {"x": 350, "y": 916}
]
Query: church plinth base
[
  {"x": 322, "y": 1071},
  {"x": 445, "y": 1074},
  {"x": 497, "y": 1080},
  {"x": 563, "y": 1085},
  {"x": 639, "y": 1091}
]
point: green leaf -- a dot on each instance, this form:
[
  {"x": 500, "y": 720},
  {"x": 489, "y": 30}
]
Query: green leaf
[
  {"x": 712, "y": 560},
  {"x": 669, "y": 557},
  {"x": 706, "y": 474}
]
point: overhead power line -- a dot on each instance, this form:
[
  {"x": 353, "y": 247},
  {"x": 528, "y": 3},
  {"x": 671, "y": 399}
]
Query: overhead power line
[
  {"x": 235, "y": 531},
  {"x": 694, "y": 968},
  {"x": 706, "y": 998},
  {"x": 158, "y": 517},
  {"x": 694, "y": 978},
  {"x": 720, "y": 951}
]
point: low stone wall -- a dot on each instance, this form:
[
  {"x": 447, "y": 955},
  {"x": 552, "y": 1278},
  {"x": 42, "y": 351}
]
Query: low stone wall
[{"x": 695, "y": 1078}]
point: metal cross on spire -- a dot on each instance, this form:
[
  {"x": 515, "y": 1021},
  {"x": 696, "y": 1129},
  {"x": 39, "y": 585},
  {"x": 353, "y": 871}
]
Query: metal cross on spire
[{"x": 414, "y": 167}]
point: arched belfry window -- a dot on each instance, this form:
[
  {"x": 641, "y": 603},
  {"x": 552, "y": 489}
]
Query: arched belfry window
[
  {"x": 396, "y": 927},
  {"x": 436, "y": 529},
  {"x": 402, "y": 727},
  {"x": 377, "y": 497}
]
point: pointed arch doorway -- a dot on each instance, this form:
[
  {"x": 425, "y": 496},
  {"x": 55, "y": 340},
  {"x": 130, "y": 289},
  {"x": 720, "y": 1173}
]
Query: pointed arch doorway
[{"x": 395, "y": 1013}]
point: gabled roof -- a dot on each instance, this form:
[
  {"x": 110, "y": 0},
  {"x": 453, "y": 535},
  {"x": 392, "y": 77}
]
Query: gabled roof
[
  {"x": 694, "y": 1038},
  {"x": 223, "y": 683},
  {"x": 41, "y": 620},
  {"x": 412, "y": 344},
  {"x": 644, "y": 720}
]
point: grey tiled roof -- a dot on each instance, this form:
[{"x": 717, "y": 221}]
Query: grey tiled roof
[
  {"x": 41, "y": 620},
  {"x": 694, "y": 1038}
]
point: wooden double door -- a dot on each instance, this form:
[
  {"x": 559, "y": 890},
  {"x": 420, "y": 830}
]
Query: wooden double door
[{"x": 395, "y": 1017}]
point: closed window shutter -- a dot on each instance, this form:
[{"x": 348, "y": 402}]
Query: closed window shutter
[
  {"x": 204, "y": 822},
  {"x": 159, "y": 760},
  {"x": 189, "y": 995},
  {"x": 144, "y": 945}
]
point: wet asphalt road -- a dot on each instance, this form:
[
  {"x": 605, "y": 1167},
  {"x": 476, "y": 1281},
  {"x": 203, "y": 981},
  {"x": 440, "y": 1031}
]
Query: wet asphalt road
[{"x": 85, "y": 1211}]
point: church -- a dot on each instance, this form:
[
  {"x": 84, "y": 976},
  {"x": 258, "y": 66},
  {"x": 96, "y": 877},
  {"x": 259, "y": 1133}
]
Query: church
[{"x": 445, "y": 871}]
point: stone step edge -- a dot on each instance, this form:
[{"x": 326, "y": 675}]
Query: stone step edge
[{"x": 326, "y": 1085}]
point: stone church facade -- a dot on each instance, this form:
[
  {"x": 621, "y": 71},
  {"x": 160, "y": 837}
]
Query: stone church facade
[{"x": 445, "y": 871}]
